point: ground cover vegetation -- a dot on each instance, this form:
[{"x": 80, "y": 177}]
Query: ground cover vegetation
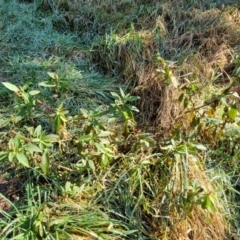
[{"x": 119, "y": 119}]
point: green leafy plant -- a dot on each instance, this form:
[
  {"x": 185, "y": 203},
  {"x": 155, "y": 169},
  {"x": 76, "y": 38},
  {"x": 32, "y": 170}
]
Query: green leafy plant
[
  {"x": 196, "y": 195},
  {"x": 55, "y": 82},
  {"x": 166, "y": 71},
  {"x": 96, "y": 142},
  {"x": 27, "y": 151},
  {"x": 178, "y": 154},
  {"x": 59, "y": 118},
  {"x": 122, "y": 109},
  {"x": 25, "y": 101}
]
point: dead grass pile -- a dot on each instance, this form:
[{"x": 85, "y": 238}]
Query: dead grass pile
[
  {"x": 198, "y": 40},
  {"x": 204, "y": 224},
  {"x": 199, "y": 224}
]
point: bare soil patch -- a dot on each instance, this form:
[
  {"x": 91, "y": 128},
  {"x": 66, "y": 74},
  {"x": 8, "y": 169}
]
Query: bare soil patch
[{"x": 9, "y": 189}]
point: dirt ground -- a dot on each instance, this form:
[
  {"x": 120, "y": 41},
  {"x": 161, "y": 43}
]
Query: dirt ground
[{"x": 9, "y": 189}]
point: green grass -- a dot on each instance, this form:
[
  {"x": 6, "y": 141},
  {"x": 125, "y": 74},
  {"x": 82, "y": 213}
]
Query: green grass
[{"x": 31, "y": 47}]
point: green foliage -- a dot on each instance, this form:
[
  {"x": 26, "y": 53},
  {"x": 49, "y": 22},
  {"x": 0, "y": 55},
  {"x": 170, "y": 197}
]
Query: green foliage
[
  {"x": 25, "y": 101},
  {"x": 96, "y": 145},
  {"x": 26, "y": 151},
  {"x": 55, "y": 83},
  {"x": 196, "y": 195},
  {"x": 124, "y": 110},
  {"x": 96, "y": 141},
  {"x": 59, "y": 118}
]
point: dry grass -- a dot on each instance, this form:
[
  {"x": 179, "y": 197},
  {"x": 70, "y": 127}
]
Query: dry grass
[
  {"x": 204, "y": 224},
  {"x": 199, "y": 41},
  {"x": 199, "y": 224}
]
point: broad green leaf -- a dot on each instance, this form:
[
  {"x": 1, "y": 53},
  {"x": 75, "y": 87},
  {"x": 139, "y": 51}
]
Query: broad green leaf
[
  {"x": 22, "y": 158},
  {"x": 45, "y": 163},
  {"x": 25, "y": 97},
  {"x": 63, "y": 118},
  {"x": 212, "y": 197},
  {"x": 122, "y": 93},
  {"x": 104, "y": 133},
  {"x": 232, "y": 114},
  {"x": 104, "y": 141},
  {"x": 43, "y": 143},
  {"x": 133, "y": 108},
  {"x": 68, "y": 186},
  {"x": 26, "y": 86},
  {"x": 109, "y": 150},
  {"x": 34, "y": 92},
  {"x": 11, "y": 86},
  {"x": 45, "y": 84},
  {"x": 3, "y": 155},
  {"x": 116, "y": 96},
  {"x": 60, "y": 107},
  {"x": 51, "y": 74},
  {"x": 110, "y": 153},
  {"x": 133, "y": 98},
  {"x": 51, "y": 138},
  {"x": 32, "y": 148},
  {"x": 38, "y": 131},
  {"x": 102, "y": 113},
  {"x": 85, "y": 138},
  {"x": 20, "y": 236},
  {"x": 11, "y": 155},
  {"x": 100, "y": 147},
  {"x": 16, "y": 140},
  {"x": 104, "y": 159},
  {"x": 182, "y": 149},
  {"x": 200, "y": 147},
  {"x": 84, "y": 112},
  {"x": 57, "y": 123},
  {"x": 91, "y": 165},
  {"x": 208, "y": 204}
]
